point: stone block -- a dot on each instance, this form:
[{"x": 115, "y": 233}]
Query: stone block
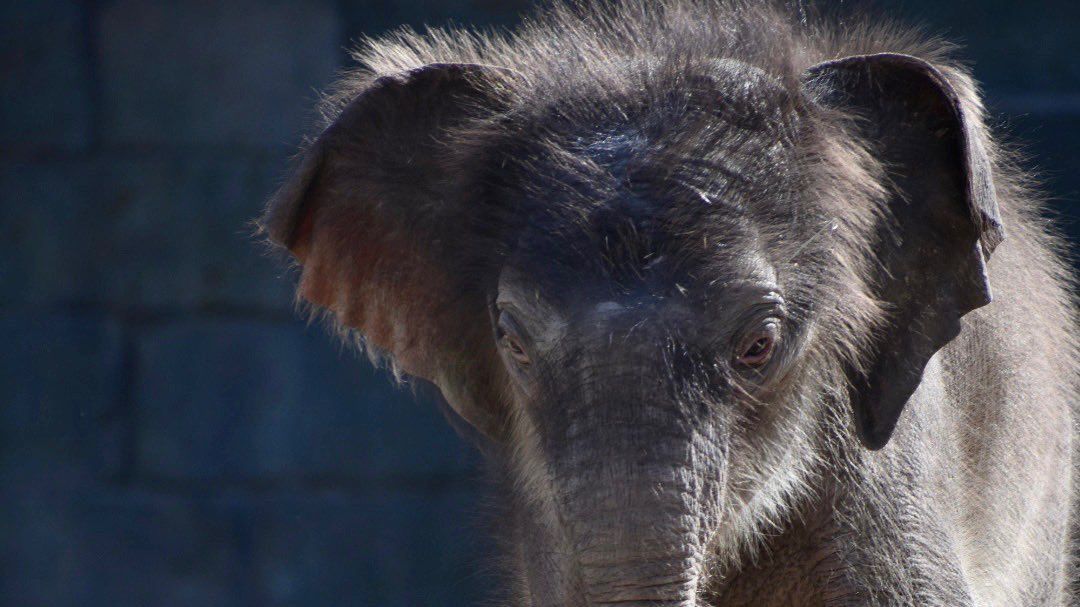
[
  {"x": 1015, "y": 47},
  {"x": 180, "y": 234},
  {"x": 49, "y": 234},
  {"x": 45, "y": 99},
  {"x": 61, "y": 377},
  {"x": 114, "y": 547},
  {"x": 39, "y": 561},
  {"x": 148, "y": 549},
  {"x": 278, "y": 403},
  {"x": 396, "y": 548},
  {"x": 230, "y": 73},
  {"x": 170, "y": 230}
]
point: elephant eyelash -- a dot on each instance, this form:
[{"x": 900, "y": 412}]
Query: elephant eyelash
[
  {"x": 507, "y": 335},
  {"x": 516, "y": 350},
  {"x": 758, "y": 347}
]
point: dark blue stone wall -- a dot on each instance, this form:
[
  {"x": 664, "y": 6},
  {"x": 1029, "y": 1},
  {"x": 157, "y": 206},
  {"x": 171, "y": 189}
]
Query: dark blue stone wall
[{"x": 170, "y": 432}]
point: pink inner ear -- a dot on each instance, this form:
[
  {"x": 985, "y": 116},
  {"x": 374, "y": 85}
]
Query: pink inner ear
[{"x": 376, "y": 281}]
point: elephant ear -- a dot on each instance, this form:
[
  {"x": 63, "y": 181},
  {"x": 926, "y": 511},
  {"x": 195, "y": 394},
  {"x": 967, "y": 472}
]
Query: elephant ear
[
  {"x": 927, "y": 131},
  {"x": 377, "y": 217}
]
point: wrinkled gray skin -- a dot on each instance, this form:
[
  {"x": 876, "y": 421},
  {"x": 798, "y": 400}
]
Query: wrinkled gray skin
[{"x": 746, "y": 312}]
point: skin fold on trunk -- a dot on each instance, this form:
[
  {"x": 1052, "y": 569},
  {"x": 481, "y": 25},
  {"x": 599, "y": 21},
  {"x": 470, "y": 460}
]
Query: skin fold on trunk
[{"x": 637, "y": 479}]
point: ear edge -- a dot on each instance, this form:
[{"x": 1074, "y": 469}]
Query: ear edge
[
  {"x": 281, "y": 221},
  {"x": 283, "y": 216},
  {"x": 981, "y": 192},
  {"x": 875, "y": 424}
]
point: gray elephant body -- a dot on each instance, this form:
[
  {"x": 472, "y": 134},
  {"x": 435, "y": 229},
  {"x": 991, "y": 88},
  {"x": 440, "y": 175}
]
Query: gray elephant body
[{"x": 683, "y": 266}]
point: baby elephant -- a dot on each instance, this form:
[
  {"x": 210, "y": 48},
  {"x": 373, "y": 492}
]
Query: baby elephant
[{"x": 748, "y": 309}]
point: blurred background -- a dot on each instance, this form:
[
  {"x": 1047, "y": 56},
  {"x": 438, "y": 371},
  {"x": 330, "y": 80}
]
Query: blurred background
[{"x": 170, "y": 432}]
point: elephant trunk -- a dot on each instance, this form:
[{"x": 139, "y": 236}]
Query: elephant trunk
[
  {"x": 635, "y": 505},
  {"x": 637, "y": 540}
]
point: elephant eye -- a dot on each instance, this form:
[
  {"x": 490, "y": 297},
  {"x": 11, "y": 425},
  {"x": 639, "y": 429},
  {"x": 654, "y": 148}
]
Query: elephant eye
[
  {"x": 517, "y": 352},
  {"x": 510, "y": 340},
  {"x": 756, "y": 349}
]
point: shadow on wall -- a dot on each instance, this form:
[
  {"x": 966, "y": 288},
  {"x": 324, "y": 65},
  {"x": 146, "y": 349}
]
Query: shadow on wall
[{"x": 170, "y": 433}]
